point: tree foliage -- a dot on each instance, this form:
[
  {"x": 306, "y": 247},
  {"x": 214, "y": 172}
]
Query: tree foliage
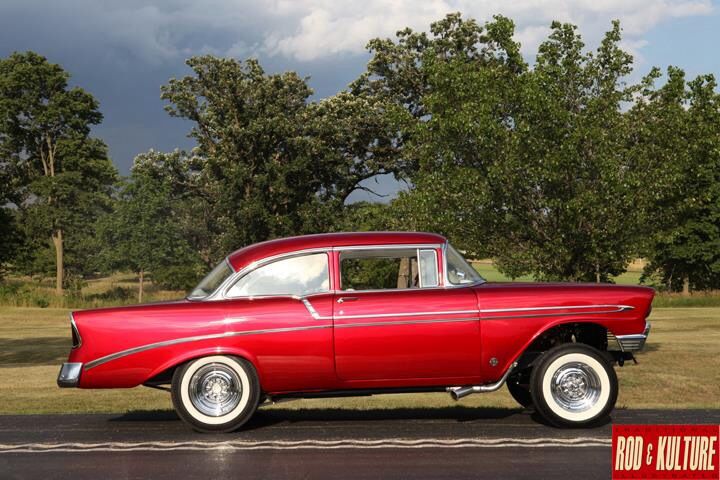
[
  {"x": 269, "y": 162},
  {"x": 146, "y": 230},
  {"x": 529, "y": 166},
  {"x": 678, "y": 128},
  {"x": 60, "y": 176},
  {"x": 560, "y": 169}
]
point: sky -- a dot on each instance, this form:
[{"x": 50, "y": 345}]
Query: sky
[{"x": 123, "y": 51}]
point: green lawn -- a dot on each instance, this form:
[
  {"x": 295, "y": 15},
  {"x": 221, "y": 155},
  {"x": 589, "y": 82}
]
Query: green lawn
[{"x": 680, "y": 369}]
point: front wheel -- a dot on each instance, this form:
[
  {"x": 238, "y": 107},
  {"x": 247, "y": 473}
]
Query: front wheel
[
  {"x": 573, "y": 385},
  {"x": 215, "y": 394},
  {"x": 518, "y": 387}
]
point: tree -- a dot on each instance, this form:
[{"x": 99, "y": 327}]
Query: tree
[
  {"x": 62, "y": 176},
  {"x": 407, "y": 71},
  {"x": 268, "y": 162},
  {"x": 529, "y": 166},
  {"x": 680, "y": 128},
  {"x": 565, "y": 196},
  {"x": 144, "y": 233}
]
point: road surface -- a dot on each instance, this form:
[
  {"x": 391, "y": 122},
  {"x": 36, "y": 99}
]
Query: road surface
[{"x": 413, "y": 444}]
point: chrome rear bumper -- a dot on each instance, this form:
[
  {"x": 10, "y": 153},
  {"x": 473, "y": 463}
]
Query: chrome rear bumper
[
  {"x": 634, "y": 342},
  {"x": 69, "y": 375}
]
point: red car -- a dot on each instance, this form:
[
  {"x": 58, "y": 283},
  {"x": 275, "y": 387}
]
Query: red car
[{"x": 362, "y": 313}]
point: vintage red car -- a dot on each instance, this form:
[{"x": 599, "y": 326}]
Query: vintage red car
[{"x": 362, "y": 313}]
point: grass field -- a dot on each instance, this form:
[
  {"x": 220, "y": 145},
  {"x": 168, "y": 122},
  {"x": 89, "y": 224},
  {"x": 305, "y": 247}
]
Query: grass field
[{"x": 679, "y": 369}]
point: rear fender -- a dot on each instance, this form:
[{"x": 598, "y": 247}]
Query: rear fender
[{"x": 205, "y": 352}]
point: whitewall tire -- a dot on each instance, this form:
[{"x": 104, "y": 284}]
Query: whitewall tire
[
  {"x": 218, "y": 393},
  {"x": 573, "y": 385}
]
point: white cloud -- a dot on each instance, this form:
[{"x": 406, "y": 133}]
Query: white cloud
[
  {"x": 308, "y": 30},
  {"x": 322, "y": 28}
]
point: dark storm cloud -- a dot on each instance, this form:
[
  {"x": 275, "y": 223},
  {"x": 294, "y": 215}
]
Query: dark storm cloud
[{"x": 123, "y": 51}]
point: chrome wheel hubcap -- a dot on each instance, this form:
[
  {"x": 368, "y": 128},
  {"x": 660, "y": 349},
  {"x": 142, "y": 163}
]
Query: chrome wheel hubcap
[
  {"x": 215, "y": 389},
  {"x": 575, "y": 387}
]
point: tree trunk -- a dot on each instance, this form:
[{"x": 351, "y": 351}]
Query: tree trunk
[
  {"x": 142, "y": 282},
  {"x": 57, "y": 239},
  {"x": 597, "y": 273},
  {"x": 686, "y": 286},
  {"x": 403, "y": 273}
]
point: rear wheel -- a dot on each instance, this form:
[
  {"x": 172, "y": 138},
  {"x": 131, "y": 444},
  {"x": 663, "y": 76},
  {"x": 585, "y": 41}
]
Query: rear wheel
[
  {"x": 573, "y": 385},
  {"x": 215, "y": 394}
]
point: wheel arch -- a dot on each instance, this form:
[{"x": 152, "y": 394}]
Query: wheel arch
[
  {"x": 163, "y": 374},
  {"x": 586, "y": 331}
]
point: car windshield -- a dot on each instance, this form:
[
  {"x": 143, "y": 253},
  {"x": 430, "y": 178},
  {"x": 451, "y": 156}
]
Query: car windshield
[
  {"x": 212, "y": 281},
  {"x": 459, "y": 271}
]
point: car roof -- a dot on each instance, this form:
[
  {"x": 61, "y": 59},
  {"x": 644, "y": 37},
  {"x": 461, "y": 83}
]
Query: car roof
[{"x": 252, "y": 253}]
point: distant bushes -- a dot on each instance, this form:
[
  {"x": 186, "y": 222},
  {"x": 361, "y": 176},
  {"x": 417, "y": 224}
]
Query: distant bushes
[{"x": 103, "y": 293}]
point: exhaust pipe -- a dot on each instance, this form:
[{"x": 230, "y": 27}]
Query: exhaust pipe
[{"x": 459, "y": 392}]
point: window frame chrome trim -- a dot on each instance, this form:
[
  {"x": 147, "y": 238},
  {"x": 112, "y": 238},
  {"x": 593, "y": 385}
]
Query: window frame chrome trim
[
  {"x": 421, "y": 283},
  {"x": 212, "y": 296},
  {"x": 273, "y": 259},
  {"x": 446, "y": 279}
]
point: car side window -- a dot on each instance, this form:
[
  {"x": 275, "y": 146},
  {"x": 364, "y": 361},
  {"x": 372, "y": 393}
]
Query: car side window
[
  {"x": 388, "y": 269},
  {"x": 301, "y": 275}
]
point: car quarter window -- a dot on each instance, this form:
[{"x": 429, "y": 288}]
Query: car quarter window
[
  {"x": 300, "y": 275},
  {"x": 388, "y": 269}
]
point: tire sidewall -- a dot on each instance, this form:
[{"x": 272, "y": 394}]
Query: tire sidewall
[
  {"x": 542, "y": 374},
  {"x": 230, "y": 421}
]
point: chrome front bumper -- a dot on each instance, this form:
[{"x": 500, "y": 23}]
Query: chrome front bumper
[
  {"x": 635, "y": 342},
  {"x": 69, "y": 375}
]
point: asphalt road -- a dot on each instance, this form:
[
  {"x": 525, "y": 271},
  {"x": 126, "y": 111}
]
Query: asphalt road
[{"x": 413, "y": 444}]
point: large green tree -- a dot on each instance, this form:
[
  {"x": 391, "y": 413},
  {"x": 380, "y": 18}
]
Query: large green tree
[
  {"x": 269, "y": 162},
  {"x": 678, "y": 128},
  {"x": 528, "y": 165},
  {"x": 62, "y": 177},
  {"x": 565, "y": 196},
  {"x": 145, "y": 233}
]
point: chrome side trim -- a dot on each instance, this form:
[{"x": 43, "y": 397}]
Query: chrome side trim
[
  {"x": 408, "y": 314},
  {"x": 312, "y": 310},
  {"x": 407, "y": 322},
  {"x": 620, "y": 308},
  {"x": 560, "y": 314},
  {"x": 634, "y": 342},
  {"x": 69, "y": 375},
  {"x": 198, "y": 338},
  {"x": 629, "y": 339},
  {"x": 612, "y": 309}
]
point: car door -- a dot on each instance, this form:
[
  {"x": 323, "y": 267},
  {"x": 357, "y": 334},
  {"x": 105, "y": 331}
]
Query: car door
[
  {"x": 290, "y": 341},
  {"x": 411, "y": 329}
]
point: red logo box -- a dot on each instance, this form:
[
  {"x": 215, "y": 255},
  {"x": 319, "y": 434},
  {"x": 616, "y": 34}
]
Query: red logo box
[{"x": 666, "y": 452}]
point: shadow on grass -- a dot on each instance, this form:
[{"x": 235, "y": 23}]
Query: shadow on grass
[{"x": 34, "y": 351}]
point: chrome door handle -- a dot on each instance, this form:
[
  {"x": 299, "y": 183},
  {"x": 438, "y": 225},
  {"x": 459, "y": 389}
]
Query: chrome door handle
[{"x": 346, "y": 299}]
